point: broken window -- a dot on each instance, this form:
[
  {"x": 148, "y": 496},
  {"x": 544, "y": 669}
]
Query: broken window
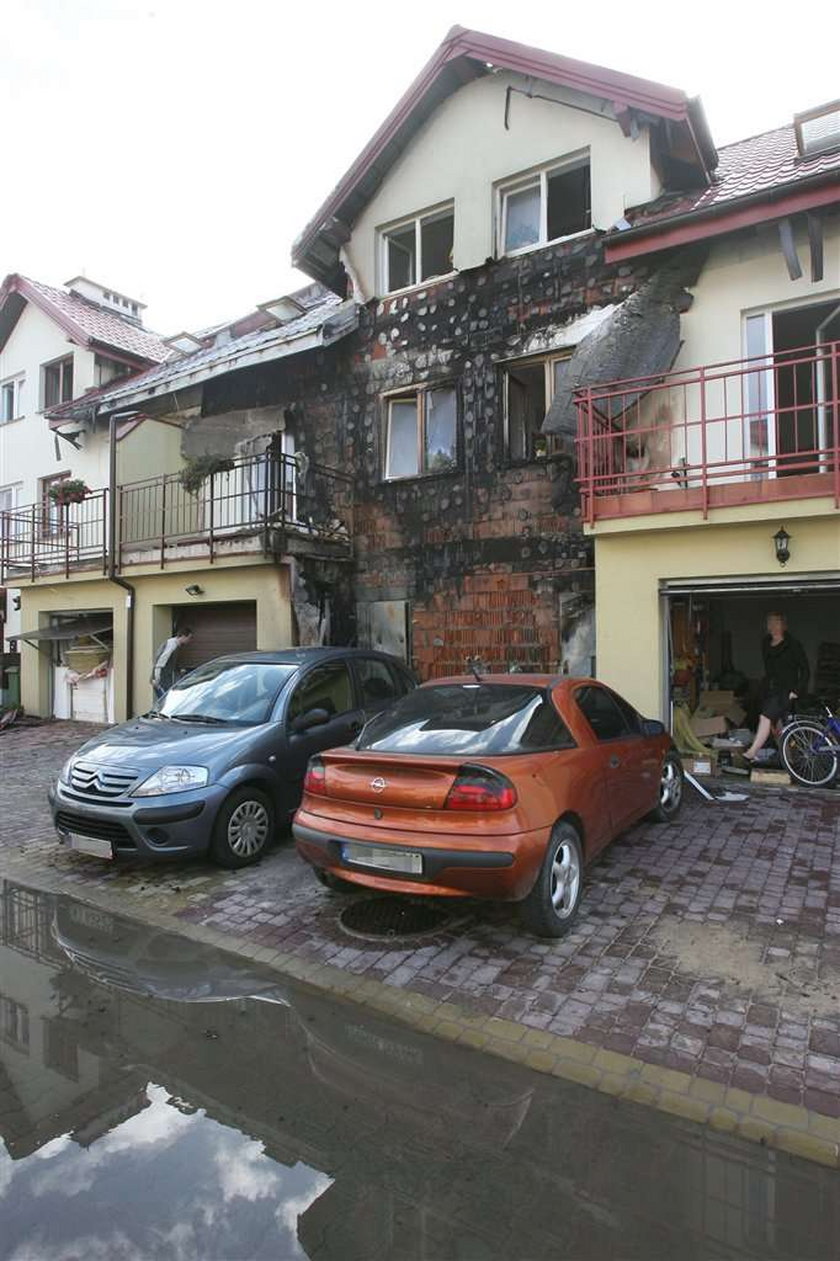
[
  {"x": 417, "y": 250},
  {"x": 57, "y": 382},
  {"x": 546, "y": 206},
  {"x": 529, "y": 388},
  {"x": 421, "y": 433}
]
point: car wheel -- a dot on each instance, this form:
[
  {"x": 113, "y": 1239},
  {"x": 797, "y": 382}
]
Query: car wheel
[
  {"x": 551, "y": 907},
  {"x": 243, "y": 828},
  {"x": 671, "y": 783},
  {"x": 334, "y": 883}
]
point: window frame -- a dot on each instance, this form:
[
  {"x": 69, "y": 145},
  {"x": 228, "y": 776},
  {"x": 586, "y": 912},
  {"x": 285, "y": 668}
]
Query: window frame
[
  {"x": 538, "y": 177},
  {"x": 549, "y": 361},
  {"x": 436, "y": 212},
  {"x": 626, "y": 734},
  {"x": 61, "y": 363},
  {"x": 15, "y": 382},
  {"x": 419, "y": 392},
  {"x": 306, "y": 678}
]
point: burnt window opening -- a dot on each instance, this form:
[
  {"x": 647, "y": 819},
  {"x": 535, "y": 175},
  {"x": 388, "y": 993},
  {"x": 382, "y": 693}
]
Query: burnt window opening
[
  {"x": 421, "y": 433},
  {"x": 548, "y": 205},
  {"x": 417, "y": 250},
  {"x": 529, "y": 390}
]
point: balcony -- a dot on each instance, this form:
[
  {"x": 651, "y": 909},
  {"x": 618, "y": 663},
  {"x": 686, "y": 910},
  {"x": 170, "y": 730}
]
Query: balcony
[
  {"x": 274, "y": 505},
  {"x": 744, "y": 432}
]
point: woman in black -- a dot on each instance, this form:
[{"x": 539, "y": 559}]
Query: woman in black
[{"x": 785, "y": 678}]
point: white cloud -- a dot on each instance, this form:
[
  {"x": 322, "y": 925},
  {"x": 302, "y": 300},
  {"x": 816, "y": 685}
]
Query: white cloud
[{"x": 290, "y": 1210}]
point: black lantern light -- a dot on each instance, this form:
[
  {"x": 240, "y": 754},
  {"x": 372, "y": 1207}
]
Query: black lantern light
[{"x": 781, "y": 540}]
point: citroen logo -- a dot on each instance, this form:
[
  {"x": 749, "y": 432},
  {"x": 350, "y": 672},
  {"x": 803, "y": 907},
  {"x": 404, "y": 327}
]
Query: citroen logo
[{"x": 379, "y": 784}]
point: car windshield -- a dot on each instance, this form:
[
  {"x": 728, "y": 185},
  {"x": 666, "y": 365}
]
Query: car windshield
[
  {"x": 240, "y": 692},
  {"x": 468, "y": 719}
]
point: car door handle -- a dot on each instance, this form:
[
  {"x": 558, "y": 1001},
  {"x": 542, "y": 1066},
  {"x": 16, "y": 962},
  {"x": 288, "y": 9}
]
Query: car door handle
[{"x": 614, "y": 763}]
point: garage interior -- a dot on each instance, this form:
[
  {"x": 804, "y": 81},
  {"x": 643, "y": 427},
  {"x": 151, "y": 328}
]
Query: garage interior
[{"x": 715, "y": 641}]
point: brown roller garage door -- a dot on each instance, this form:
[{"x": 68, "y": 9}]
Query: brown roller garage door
[{"x": 217, "y": 629}]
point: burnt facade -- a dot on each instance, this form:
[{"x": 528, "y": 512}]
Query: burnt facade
[{"x": 486, "y": 559}]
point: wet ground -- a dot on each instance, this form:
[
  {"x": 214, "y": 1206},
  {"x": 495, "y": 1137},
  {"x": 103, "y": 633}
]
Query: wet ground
[{"x": 159, "y": 1099}]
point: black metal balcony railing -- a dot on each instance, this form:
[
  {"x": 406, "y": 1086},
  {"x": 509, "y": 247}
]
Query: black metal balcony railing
[
  {"x": 278, "y": 500},
  {"x": 730, "y": 433}
]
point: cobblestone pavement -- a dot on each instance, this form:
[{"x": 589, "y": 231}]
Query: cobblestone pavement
[{"x": 711, "y": 946}]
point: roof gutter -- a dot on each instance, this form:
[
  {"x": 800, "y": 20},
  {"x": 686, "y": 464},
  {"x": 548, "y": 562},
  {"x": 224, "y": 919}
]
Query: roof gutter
[{"x": 745, "y": 212}]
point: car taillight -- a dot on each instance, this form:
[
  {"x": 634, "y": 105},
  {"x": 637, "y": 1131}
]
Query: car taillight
[
  {"x": 315, "y": 780},
  {"x": 478, "y": 788}
]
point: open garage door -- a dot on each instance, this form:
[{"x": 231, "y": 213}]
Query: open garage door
[{"x": 217, "y": 629}]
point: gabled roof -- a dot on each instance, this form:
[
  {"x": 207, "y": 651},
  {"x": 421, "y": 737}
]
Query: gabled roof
[
  {"x": 84, "y": 322},
  {"x": 463, "y": 56},
  {"x": 760, "y": 166},
  {"x": 321, "y": 325}
]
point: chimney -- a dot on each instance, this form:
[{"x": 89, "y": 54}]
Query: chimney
[{"x": 109, "y": 299}]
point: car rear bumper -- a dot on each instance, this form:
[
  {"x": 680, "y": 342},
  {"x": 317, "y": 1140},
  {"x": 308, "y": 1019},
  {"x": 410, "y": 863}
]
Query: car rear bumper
[
  {"x": 503, "y": 868},
  {"x": 164, "y": 827}
]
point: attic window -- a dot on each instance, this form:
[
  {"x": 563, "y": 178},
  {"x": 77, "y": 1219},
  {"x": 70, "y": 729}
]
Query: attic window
[
  {"x": 818, "y": 130},
  {"x": 417, "y": 249},
  {"x": 547, "y": 205}
]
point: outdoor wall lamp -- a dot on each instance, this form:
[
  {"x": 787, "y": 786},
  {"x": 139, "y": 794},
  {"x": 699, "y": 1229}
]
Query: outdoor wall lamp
[
  {"x": 194, "y": 589},
  {"x": 781, "y": 540}
]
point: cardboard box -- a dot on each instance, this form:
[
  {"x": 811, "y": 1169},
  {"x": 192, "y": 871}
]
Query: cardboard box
[
  {"x": 716, "y": 702},
  {"x": 704, "y": 727},
  {"x": 735, "y": 714},
  {"x": 698, "y": 765}
]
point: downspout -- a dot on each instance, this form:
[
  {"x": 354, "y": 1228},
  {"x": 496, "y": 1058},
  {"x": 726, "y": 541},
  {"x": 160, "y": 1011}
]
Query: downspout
[{"x": 112, "y": 559}]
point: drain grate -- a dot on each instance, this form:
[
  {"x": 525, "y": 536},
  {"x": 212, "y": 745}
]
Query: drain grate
[{"x": 393, "y": 917}]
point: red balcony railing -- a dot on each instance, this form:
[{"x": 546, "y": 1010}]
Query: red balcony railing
[
  {"x": 269, "y": 501},
  {"x": 730, "y": 433}
]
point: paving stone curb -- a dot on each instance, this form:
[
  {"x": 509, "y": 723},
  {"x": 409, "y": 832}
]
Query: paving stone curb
[{"x": 757, "y": 1118}]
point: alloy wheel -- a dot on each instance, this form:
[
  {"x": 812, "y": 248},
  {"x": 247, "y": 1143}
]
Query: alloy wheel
[
  {"x": 247, "y": 830},
  {"x": 565, "y": 879},
  {"x": 670, "y": 786}
]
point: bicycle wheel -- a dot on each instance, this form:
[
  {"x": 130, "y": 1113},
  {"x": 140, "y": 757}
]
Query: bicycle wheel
[{"x": 809, "y": 755}]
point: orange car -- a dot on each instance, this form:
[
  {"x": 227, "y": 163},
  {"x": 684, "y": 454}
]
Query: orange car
[{"x": 498, "y": 786}]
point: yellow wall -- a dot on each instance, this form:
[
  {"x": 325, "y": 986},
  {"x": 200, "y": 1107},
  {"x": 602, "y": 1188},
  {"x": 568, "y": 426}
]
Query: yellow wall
[
  {"x": 156, "y": 595},
  {"x": 629, "y": 567}
]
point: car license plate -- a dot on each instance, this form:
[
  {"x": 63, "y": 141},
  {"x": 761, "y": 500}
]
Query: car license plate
[
  {"x": 90, "y": 845},
  {"x": 404, "y": 860}
]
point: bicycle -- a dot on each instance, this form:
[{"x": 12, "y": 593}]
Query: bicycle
[{"x": 810, "y": 749}]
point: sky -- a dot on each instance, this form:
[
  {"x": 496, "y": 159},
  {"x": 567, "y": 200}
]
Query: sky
[{"x": 173, "y": 149}]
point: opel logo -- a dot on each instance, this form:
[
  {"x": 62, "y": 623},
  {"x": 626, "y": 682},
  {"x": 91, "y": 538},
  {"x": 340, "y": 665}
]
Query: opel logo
[{"x": 379, "y": 784}]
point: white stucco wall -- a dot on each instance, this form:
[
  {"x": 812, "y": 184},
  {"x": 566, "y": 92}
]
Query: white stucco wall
[{"x": 464, "y": 150}]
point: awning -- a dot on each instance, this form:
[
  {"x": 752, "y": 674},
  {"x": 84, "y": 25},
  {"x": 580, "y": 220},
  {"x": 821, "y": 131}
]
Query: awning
[
  {"x": 639, "y": 338},
  {"x": 73, "y": 628}
]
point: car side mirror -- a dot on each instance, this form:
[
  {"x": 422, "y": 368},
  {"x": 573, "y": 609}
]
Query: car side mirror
[
  {"x": 312, "y": 718},
  {"x": 653, "y": 727}
]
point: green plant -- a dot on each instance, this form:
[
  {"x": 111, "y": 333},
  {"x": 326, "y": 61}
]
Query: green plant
[
  {"x": 199, "y": 467},
  {"x": 70, "y": 491}
]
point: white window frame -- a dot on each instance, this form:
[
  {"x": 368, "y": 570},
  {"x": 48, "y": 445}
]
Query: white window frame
[
  {"x": 532, "y": 361},
  {"x": 436, "y": 212},
  {"x": 537, "y": 178},
  {"x": 16, "y": 382},
  {"x": 404, "y": 396}
]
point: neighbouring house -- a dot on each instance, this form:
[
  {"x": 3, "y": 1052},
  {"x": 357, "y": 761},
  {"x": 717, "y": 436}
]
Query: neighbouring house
[
  {"x": 55, "y": 345},
  {"x": 218, "y": 516}
]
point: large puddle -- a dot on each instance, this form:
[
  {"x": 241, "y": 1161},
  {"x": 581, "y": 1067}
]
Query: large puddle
[{"x": 159, "y": 1099}]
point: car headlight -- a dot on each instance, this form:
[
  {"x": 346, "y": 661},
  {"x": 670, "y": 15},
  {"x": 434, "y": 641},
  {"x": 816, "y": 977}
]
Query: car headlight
[
  {"x": 173, "y": 779},
  {"x": 64, "y": 773}
]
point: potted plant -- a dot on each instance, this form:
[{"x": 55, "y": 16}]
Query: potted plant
[
  {"x": 70, "y": 491},
  {"x": 198, "y": 468}
]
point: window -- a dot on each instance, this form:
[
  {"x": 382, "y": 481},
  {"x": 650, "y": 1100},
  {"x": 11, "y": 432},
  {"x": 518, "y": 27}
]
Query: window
[
  {"x": 326, "y": 687},
  {"x": 50, "y": 510},
  {"x": 378, "y": 685},
  {"x": 421, "y": 433},
  {"x": 14, "y": 1023},
  {"x": 546, "y": 206},
  {"x": 529, "y": 389},
  {"x": 57, "y": 382},
  {"x": 488, "y": 719},
  {"x": 106, "y": 370},
  {"x": 417, "y": 249},
  {"x": 818, "y": 130},
  {"x": 602, "y": 713},
  {"x": 241, "y": 692},
  {"x": 10, "y": 399}
]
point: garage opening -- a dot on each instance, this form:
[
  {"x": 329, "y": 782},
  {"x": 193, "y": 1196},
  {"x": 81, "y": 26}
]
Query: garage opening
[
  {"x": 217, "y": 629},
  {"x": 716, "y": 668}
]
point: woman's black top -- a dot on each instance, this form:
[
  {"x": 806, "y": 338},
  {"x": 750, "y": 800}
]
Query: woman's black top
[{"x": 785, "y": 667}]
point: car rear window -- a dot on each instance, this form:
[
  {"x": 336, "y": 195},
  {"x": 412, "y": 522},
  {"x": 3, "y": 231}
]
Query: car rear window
[{"x": 468, "y": 719}]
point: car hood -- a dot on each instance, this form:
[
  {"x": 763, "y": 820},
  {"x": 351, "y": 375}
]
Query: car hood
[{"x": 152, "y": 742}]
